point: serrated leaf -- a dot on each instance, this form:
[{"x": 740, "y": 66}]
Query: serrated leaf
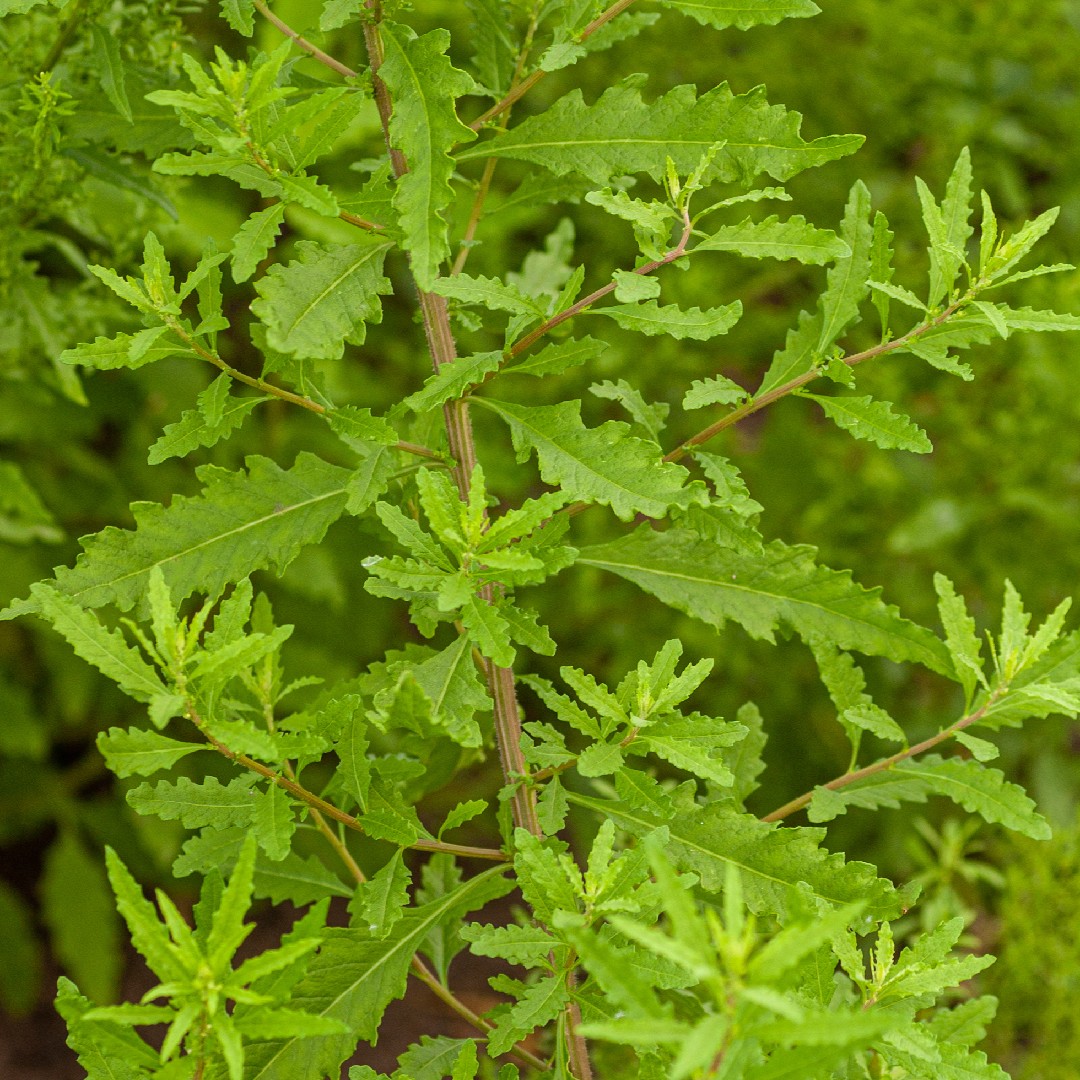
[
  {"x": 240, "y": 15},
  {"x": 772, "y": 238},
  {"x": 963, "y": 643},
  {"x": 717, "y": 390},
  {"x": 195, "y": 428},
  {"x": 693, "y": 745},
  {"x": 603, "y": 464},
  {"x": 106, "y": 354},
  {"x": 197, "y": 805},
  {"x": 254, "y": 239},
  {"x": 846, "y": 283},
  {"x": 453, "y": 380},
  {"x": 653, "y": 319},
  {"x": 424, "y": 85},
  {"x": 742, "y": 14},
  {"x": 874, "y": 421},
  {"x": 539, "y": 1005},
  {"x": 105, "y": 649},
  {"x": 110, "y": 70},
  {"x": 381, "y": 901},
  {"x": 558, "y": 357},
  {"x": 312, "y": 306},
  {"x": 338, "y": 13},
  {"x": 775, "y": 863},
  {"x": 490, "y": 293},
  {"x": 781, "y": 585},
  {"x": 274, "y": 822},
  {"x": 353, "y": 978},
  {"x": 243, "y": 521},
  {"x": 621, "y": 134},
  {"x": 137, "y": 752},
  {"x": 947, "y": 245}
]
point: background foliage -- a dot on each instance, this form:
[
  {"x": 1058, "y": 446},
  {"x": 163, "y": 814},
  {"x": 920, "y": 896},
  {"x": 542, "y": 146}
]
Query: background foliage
[{"x": 999, "y": 498}]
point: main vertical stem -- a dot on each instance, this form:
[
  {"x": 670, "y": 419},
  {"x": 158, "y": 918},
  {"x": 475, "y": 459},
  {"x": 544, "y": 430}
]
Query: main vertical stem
[{"x": 443, "y": 350}]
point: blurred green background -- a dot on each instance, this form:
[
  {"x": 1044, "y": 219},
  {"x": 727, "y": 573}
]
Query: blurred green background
[{"x": 999, "y": 498}]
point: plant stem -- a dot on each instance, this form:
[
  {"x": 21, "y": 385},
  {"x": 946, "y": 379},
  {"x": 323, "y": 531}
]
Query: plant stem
[
  {"x": 63, "y": 38},
  {"x": 887, "y": 763},
  {"x": 516, "y": 93},
  {"x": 443, "y": 350},
  {"x": 307, "y": 46}
]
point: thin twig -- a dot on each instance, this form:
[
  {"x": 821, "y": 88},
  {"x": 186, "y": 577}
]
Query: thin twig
[
  {"x": 887, "y": 763},
  {"x": 307, "y": 46},
  {"x": 328, "y": 809},
  {"x": 517, "y": 92},
  {"x": 277, "y": 391}
]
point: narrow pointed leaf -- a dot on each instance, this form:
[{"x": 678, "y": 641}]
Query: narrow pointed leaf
[
  {"x": 781, "y": 586},
  {"x": 875, "y": 421},
  {"x": 772, "y": 238},
  {"x": 742, "y": 14}
]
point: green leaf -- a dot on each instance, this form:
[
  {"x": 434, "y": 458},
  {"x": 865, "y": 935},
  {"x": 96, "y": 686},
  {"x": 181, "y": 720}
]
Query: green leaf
[
  {"x": 274, "y": 822},
  {"x": 123, "y": 351},
  {"x": 603, "y": 464},
  {"x": 383, "y": 899},
  {"x": 453, "y": 380},
  {"x": 558, "y": 357},
  {"x": 243, "y": 521},
  {"x": 217, "y": 416},
  {"x": 1029, "y": 319},
  {"x": 339, "y": 13},
  {"x": 110, "y": 70},
  {"x": 137, "y": 752},
  {"x": 254, "y": 239},
  {"x": 621, "y": 134},
  {"x": 881, "y": 271},
  {"x": 539, "y": 1005},
  {"x": 875, "y": 421},
  {"x": 949, "y": 230},
  {"x": 354, "y": 977},
  {"x": 776, "y": 239},
  {"x": 775, "y": 863},
  {"x": 963, "y": 643},
  {"x": 196, "y": 805},
  {"x": 782, "y": 585},
  {"x": 846, "y": 284},
  {"x": 424, "y": 86},
  {"x": 103, "y": 648},
  {"x": 692, "y": 745},
  {"x": 312, "y": 306},
  {"x": 78, "y": 909},
  {"x": 490, "y": 293},
  {"x": 742, "y": 14},
  {"x": 717, "y": 390},
  {"x": 240, "y": 15},
  {"x": 653, "y": 319}
]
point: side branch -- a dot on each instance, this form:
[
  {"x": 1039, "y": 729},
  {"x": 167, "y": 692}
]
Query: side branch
[
  {"x": 321, "y": 805},
  {"x": 517, "y": 92},
  {"x": 758, "y": 403},
  {"x": 887, "y": 763},
  {"x": 303, "y": 43}
]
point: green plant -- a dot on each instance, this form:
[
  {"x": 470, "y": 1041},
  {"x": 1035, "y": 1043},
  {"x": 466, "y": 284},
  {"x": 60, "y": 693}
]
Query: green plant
[{"x": 690, "y": 936}]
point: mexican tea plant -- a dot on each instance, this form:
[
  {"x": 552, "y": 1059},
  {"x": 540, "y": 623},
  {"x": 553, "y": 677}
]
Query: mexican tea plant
[{"x": 659, "y": 928}]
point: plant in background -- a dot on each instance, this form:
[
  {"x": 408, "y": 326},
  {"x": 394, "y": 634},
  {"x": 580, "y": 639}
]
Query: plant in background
[{"x": 664, "y": 928}]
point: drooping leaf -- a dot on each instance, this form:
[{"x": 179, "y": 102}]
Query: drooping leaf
[
  {"x": 103, "y": 648},
  {"x": 875, "y": 421},
  {"x": 312, "y": 306},
  {"x": 218, "y": 415},
  {"x": 243, "y": 520},
  {"x": 137, "y": 752},
  {"x": 622, "y": 134},
  {"x": 782, "y": 585},
  {"x": 603, "y": 464},
  {"x": 424, "y": 86}
]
